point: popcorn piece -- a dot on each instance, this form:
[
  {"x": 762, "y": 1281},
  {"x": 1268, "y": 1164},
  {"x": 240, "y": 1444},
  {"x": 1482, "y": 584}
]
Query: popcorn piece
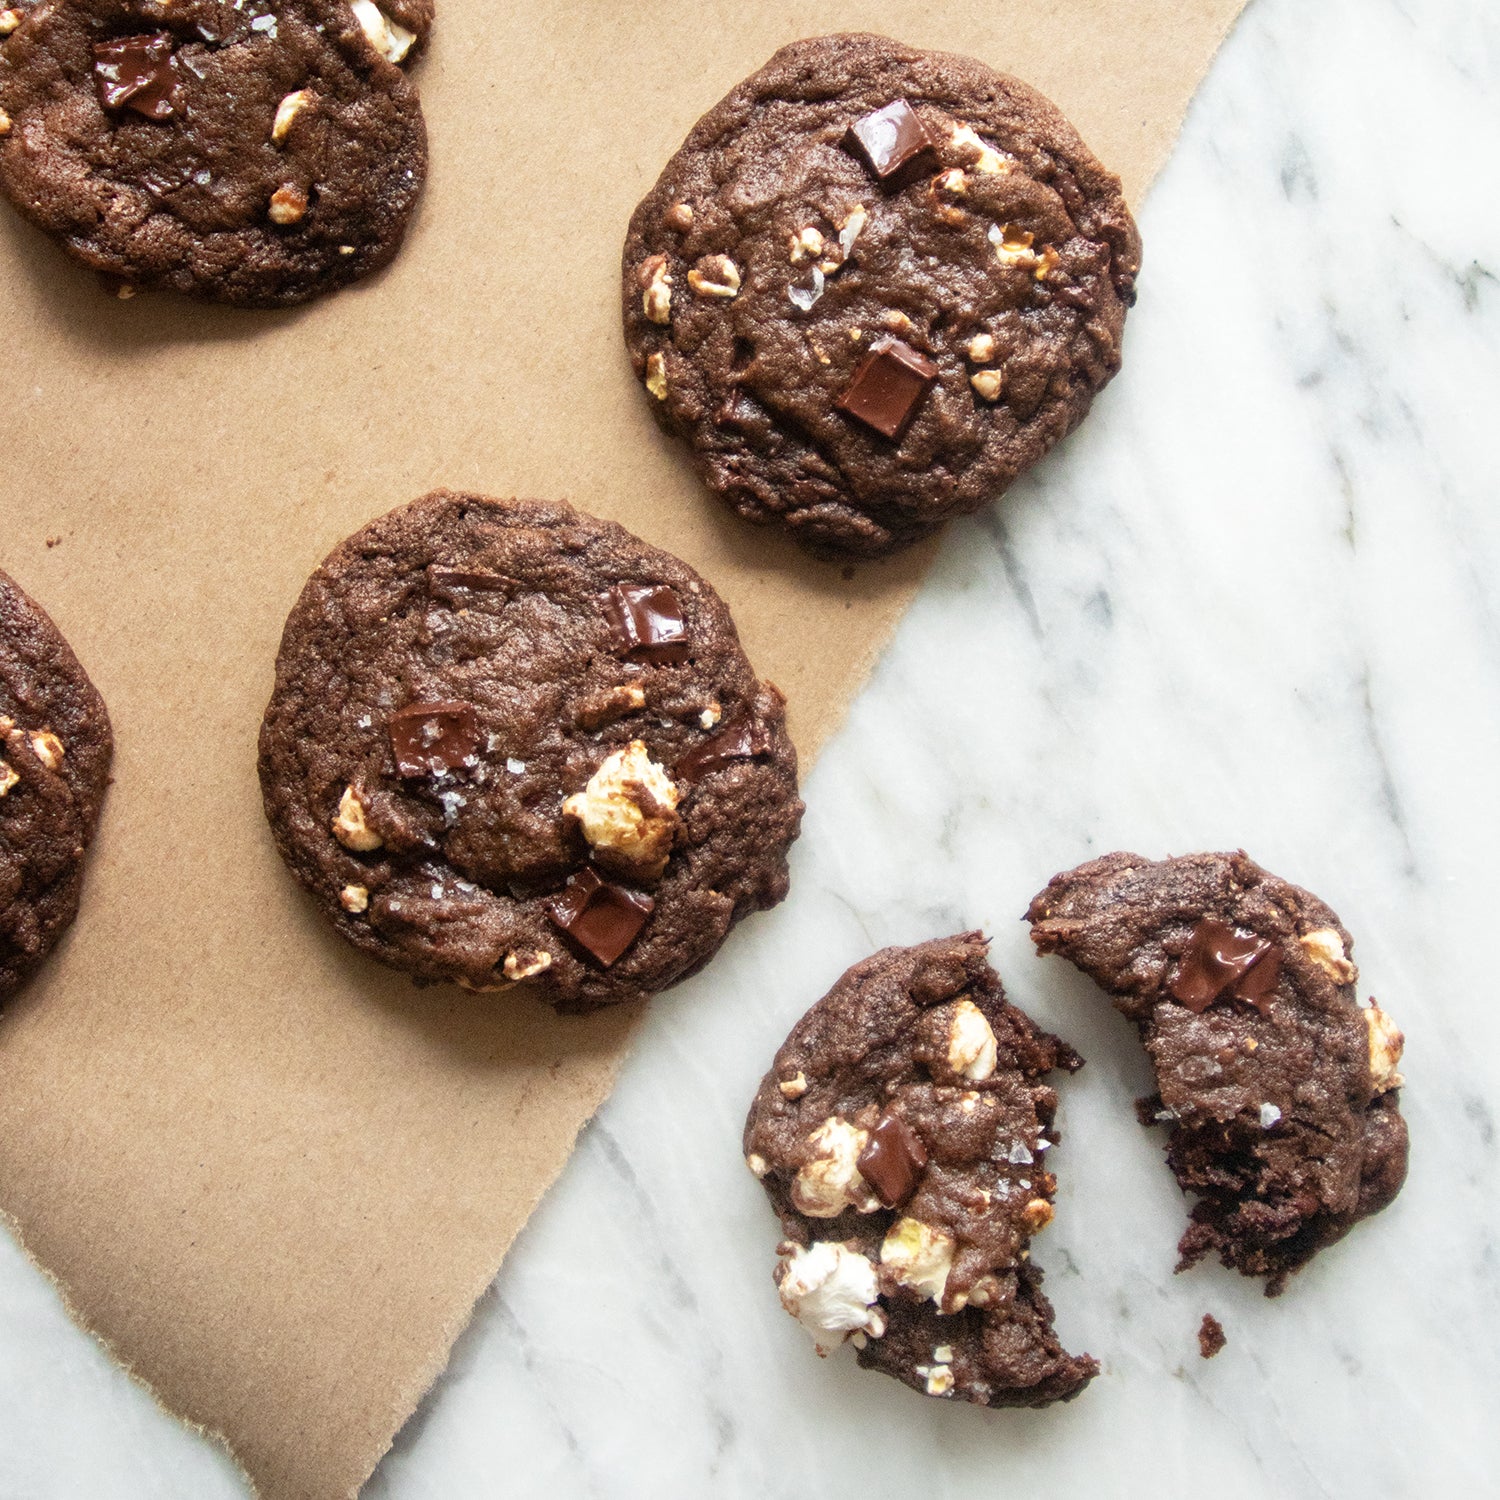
[
  {"x": 288, "y": 206},
  {"x": 526, "y": 964},
  {"x": 288, "y": 110},
  {"x": 628, "y": 812},
  {"x": 971, "y": 1043},
  {"x": 757, "y": 1164},
  {"x": 1013, "y": 246},
  {"x": 391, "y": 41},
  {"x": 806, "y": 244},
  {"x": 8, "y": 778},
  {"x": 354, "y": 899},
  {"x": 918, "y": 1257},
  {"x": 987, "y": 159},
  {"x": 1326, "y": 949},
  {"x": 656, "y": 300},
  {"x": 47, "y": 748},
  {"x": 939, "y": 1378},
  {"x": 715, "y": 276},
  {"x": 4, "y": 123},
  {"x": 350, "y": 827},
  {"x": 9, "y": 20},
  {"x": 982, "y": 348},
  {"x": 615, "y": 703},
  {"x": 830, "y": 1182},
  {"x": 680, "y": 217},
  {"x": 1386, "y": 1045},
  {"x": 945, "y": 187},
  {"x": 987, "y": 384},
  {"x": 656, "y": 376},
  {"x": 1037, "y": 1214},
  {"x": 793, "y": 1088},
  {"x": 832, "y": 1292}
]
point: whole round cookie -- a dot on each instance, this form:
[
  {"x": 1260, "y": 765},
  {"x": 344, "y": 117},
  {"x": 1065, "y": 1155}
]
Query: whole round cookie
[
  {"x": 900, "y": 1136},
  {"x": 511, "y": 744},
  {"x": 55, "y": 749},
  {"x": 257, "y": 153},
  {"x": 1279, "y": 1090},
  {"x": 873, "y": 287}
]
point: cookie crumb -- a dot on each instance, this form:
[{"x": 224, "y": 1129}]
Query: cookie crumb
[
  {"x": 53, "y": 541},
  {"x": 1211, "y": 1336}
]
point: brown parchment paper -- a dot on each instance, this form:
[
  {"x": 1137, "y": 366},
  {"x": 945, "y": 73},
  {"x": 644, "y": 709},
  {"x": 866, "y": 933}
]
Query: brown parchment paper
[{"x": 271, "y": 1176}]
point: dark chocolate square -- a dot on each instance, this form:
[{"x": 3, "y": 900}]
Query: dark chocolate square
[
  {"x": 890, "y": 141},
  {"x": 887, "y": 385}
]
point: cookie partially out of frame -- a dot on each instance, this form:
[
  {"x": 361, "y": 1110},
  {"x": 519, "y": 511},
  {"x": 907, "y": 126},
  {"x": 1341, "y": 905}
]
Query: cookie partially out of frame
[
  {"x": 260, "y": 153},
  {"x": 873, "y": 286},
  {"x": 510, "y": 745},
  {"x": 55, "y": 749},
  {"x": 1278, "y": 1089},
  {"x": 901, "y": 1137}
]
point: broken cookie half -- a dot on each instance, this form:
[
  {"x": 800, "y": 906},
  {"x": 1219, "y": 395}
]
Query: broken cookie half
[
  {"x": 901, "y": 1136},
  {"x": 1279, "y": 1089}
]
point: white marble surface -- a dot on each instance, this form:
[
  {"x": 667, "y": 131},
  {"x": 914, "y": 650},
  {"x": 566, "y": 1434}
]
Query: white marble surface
[{"x": 1253, "y": 602}]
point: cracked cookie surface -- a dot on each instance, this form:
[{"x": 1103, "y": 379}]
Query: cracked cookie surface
[
  {"x": 510, "y": 744},
  {"x": 901, "y": 1137},
  {"x": 259, "y": 154},
  {"x": 55, "y": 750},
  {"x": 873, "y": 286},
  {"x": 1279, "y": 1091}
]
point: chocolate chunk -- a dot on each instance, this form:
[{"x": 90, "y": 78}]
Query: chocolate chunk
[
  {"x": 743, "y": 738},
  {"x": 890, "y": 140},
  {"x": 892, "y": 1162},
  {"x": 1221, "y": 961},
  {"x": 139, "y": 73},
  {"x": 606, "y": 919},
  {"x": 452, "y": 584},
  {"x": 887, "y": 384},
  {"x": 647, "y": 622},
  {"x": 431, "y": 737}
]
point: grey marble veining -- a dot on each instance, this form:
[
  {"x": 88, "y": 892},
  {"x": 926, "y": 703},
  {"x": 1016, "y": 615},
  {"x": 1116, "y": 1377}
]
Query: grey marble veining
[{"x": 1253, "y": 602}]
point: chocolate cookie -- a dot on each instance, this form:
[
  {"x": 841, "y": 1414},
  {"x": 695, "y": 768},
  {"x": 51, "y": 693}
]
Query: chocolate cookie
[
  {"x": 873, "y": 287},
  {"x": 259, "y": 153},
  {"x": 1279, "y": 1091},
  {"x": 513, "y": 744},
  {"x": 900, "y": 1136},
  {"x": 55, "y": 749}
]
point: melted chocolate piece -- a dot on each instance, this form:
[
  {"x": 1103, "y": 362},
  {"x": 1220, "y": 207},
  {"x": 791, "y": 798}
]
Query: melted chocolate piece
[
  {"x": 743, "y": 738},
  {"x": 647, "y": 622},
  {"x": 887, "y": 385},
  {"x": 1221, "y": 961},
  {"x": 451, "y": 584},
  {"x": 890, "y": 141},
  {"x": 139, "y": 73},
  {"x": 431, "y": 737},
  {"x": 603, "y": 918},
  {"x": 892, "y": 1163}
]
